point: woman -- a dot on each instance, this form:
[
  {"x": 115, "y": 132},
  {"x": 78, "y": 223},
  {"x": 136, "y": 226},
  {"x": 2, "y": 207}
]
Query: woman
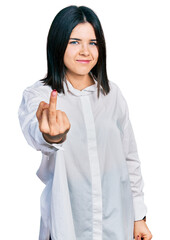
[{"x": 79, "y": 120}]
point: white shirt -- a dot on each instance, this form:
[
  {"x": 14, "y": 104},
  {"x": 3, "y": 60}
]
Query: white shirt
[{"x": 94, "y": 186}]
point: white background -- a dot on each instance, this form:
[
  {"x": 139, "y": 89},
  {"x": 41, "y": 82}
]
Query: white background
[{"x": 138, "y": 60}]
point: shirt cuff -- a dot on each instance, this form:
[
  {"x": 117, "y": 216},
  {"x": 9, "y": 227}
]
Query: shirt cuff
[
  {"x": 140, "y": 208},
  {"x": 142, "y": 219},
  {"x": 55, "y": 145}
]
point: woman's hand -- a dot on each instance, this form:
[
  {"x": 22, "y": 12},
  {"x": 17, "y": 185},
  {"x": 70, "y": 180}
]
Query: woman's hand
[
  {"x": 53, "y": 123},
  {"x": 141, "y": 231}
]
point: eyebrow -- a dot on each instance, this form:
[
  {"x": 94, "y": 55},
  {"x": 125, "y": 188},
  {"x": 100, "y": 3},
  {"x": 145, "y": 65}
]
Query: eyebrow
[{"x": 78, "y": 39}]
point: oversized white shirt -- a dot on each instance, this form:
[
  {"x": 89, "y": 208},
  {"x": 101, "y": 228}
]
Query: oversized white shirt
[{"x": 94, "y": 186}]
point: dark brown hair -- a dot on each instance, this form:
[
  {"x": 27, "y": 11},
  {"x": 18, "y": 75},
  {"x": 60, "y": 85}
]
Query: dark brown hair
[{"x": 57, "y": 40}]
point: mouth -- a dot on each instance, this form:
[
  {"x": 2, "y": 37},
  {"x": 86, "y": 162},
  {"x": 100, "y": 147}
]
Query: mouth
[{"x": 83, "y": 61}]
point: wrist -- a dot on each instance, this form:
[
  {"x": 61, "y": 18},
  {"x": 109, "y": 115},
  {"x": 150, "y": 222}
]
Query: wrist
[
  {"x": 53, "y": 139},
  {"x": 143, "y": 219},
  {"x": 62, "y": 139}
]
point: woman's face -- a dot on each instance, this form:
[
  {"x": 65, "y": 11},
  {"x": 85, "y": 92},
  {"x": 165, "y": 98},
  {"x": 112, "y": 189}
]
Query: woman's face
[{"x": 81, "y": 54}]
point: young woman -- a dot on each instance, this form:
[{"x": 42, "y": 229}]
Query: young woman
[{"x": 79, "y": 120}]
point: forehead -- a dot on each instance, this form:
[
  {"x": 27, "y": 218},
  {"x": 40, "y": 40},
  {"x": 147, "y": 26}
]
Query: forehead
[{"x": 83, "y": 30}]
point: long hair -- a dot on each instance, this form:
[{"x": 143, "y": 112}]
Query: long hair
[{"x": 57, "y": 40}]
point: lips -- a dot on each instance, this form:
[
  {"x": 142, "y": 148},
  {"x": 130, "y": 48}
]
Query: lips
[{"x": 83, "y": 61}]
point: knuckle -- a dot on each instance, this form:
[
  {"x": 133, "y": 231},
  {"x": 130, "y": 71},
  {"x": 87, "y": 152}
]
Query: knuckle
[
  {"x": 43, "y": 129},
  {"x": 52, "y": 112},
  {"x": 61, "y": 130},
  {"x": 41, "y": 103},
  {"x": 69, "y": 126},
  {"x": 66, "y": 123},
  {"x": 64, "y": 114},
  {"x": 53, "y": 132},
  {"x": 45, "y": 106},
  {"x": 59, "y": 112}
]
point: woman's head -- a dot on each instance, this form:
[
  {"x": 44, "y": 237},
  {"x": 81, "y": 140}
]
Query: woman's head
[
  {"x": 65, "y": 23},
  {"x": 82, "y": 53}
]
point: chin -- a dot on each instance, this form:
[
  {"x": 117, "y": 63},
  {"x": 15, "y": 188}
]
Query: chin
[
  {"x": 80, "y": 71},
  {"x": 85, "y": 72},
  {"x": 82, "y": 74}
]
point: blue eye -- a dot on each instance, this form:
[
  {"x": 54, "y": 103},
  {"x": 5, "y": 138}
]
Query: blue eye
[
  {"x": 93, "y": 43},
  {"x": 74, "y": 42}
]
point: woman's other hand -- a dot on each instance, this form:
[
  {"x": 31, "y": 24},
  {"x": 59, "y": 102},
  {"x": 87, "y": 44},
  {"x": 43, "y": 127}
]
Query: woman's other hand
[{"x": 141, "y": 231}]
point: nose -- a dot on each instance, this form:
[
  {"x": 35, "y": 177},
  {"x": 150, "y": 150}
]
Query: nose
[{"x": 84, "y": 50}]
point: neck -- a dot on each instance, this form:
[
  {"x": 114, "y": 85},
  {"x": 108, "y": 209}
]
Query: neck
[{"x": 80, "y": 81}]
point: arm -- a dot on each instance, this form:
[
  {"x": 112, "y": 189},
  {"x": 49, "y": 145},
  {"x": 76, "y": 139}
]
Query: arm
[
  {"x": 134, "y": 169},
  {"x": 141, "y": 230},
  {"x": 29, "y": 122},
  {"x": 132, "y": 158}
]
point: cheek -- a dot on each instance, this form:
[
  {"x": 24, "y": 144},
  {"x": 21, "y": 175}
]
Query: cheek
[
  {"x": 67, "y": 53},
  {"x": 66, "y": 56},
  {"x": 96, "y": 54},
  {"x": 95, "y": 59},
  {"x": 71, "y": 52},
  {"x": 67, "y": 60}
]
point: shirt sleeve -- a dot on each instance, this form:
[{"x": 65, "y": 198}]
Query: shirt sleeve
[
  {"x": 132, "y": 160},
  {"x": 29, "y": 123}
]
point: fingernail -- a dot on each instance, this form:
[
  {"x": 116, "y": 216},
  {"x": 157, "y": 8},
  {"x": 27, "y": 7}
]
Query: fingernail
[{"x": 54, "y": 92}]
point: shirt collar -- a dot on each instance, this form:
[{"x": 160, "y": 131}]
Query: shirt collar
[{"x": 68, "y": 87}]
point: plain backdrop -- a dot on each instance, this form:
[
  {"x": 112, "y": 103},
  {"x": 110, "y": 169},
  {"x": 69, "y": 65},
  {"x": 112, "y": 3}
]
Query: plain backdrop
[{"x": 138, "y": 60}]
